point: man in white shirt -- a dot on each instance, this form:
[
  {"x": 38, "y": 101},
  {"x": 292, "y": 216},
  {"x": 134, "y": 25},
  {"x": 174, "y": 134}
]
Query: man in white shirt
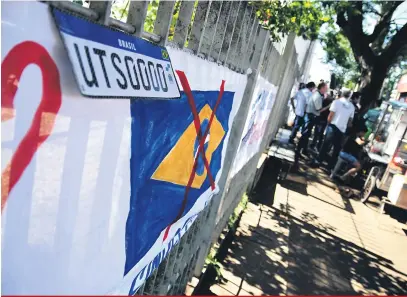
[
  {"x": 312, "y": 110},
  {"x": 301, "y": 97},
  {"x": 340, "y": 118}
]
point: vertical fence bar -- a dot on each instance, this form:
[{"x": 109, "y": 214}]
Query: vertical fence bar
[
  {"x": 173, "y": 274},
  {"x": 161, "y": 286},
  {"x": 246, "y": 37},
  {"x": 242, "y": 37},
  {"x": 273, "y": 66},
  {"x": 281, "y": 95},
  {"x": 230, "y": 57},
  {"x": 234, "y": 141},
  {"x": 251, "y": 51},
  {"x": 198, "y": 26},
  {"x": 103, "y": 10},
  {"x": 149, "y": 283},
  {"x": 273, "y": 60},
  {"x": 250, "y": 48},
  {"x": 237, "y": 47},
  {"x": 185, "y": 257},
  {"x": 183, "y": 21},
  {"x": 229, "y": 31},
  {"x": 221, "y": 29},
  {"x": 251, "y": 41},
  {"x": 163, "y": 21},
  {"x": 137, "y": 15},
  {"x": 267, "y": 58},
  {"x": 210, "y": 28},
  {"x": 308, "y": 62}
]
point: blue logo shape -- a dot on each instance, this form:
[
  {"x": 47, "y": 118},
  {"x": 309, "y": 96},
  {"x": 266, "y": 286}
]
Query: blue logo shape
[
  {"x": 200, "y": 163},
  {"x": 157, "y": 125}
]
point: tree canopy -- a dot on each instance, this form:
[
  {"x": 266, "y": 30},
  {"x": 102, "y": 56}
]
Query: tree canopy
[
  {"x": 361, "y": 38},
  {"x": 282, "y": 17}
]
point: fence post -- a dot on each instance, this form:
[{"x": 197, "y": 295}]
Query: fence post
[
  {"x": 249, "y": 24},
  {"x": 230, "y": 29},
  {"x": 282, "y": 84},
  {"x": 307, "y": 61},
  {"x": 240, "y": 42},
  {"x": 198, "y": 26},
  {"x": 137, "y": 15},
  {"x": 103, "y": 9},
  {"x": 163, "y": 21},
  {"x": 210, "y": 28},
  {"x": 230, "y": 56},
  {"x": 183, "y": 21},
  {"x": 221, "y": 33},
  {"x": 234, "y": 141}
]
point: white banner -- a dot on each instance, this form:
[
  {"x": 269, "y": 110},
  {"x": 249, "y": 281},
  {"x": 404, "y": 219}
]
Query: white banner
[
  {"x": 260, "y": 109},
  {"x": 96, "y": 192}
]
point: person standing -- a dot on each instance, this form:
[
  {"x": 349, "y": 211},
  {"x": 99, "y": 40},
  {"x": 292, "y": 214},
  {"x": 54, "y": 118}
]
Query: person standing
[
  {"x": 339, "y": 119},
  {"x": 321, "y": 123},
  {"x": 301, "y": 97},
  {"x": 357, "y": 122},
  {"x": 313, "y": 109}
]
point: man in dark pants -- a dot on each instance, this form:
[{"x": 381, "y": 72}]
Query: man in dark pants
[
  {"x": 301, "y": 97},
  {"x": 357, "y": 123},
  {"x": 320, "y": 124},
  {"x": 313, "y": 109},
  {"x": 339, "y": 119},
  {"x": 351, "y": 151}
]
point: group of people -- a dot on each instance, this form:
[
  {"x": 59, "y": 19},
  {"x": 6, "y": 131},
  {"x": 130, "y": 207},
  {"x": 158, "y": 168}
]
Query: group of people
[{"x": 333, "y": 120}]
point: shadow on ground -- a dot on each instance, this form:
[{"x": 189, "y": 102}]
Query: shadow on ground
[
  {"x": 282, "y": 254},
  {"x": 308, "y": 261}
]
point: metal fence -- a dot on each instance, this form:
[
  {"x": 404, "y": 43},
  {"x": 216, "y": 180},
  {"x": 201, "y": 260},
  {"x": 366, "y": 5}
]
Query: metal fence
[{"x": 228, "y": 33}]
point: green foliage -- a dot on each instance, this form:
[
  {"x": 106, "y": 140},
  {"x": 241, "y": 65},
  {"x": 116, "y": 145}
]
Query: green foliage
[
  {"x": 338, "y": 49},
  {"x": 174, "y": 19},
  {"x": 355, "y": 34},
  {"x": 191, "y": 23},
  {"x": 360, "y": 38},
  {"x": 120, "y": 10},
  {"x": 151, "y": 16},
  {"x": 212, "y": 261},
  {"x": 282, "y": 17},
  {"x": 340, "y": 56},
  {"x": 238, "y": 210}
]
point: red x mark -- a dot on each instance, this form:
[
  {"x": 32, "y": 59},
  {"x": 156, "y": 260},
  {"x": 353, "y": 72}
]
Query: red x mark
[
  {"x": 21, "y": 56},
  {"x": 201, "y": 138}
]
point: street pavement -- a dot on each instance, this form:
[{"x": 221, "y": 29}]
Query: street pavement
[{"x": 307, "y": 236}]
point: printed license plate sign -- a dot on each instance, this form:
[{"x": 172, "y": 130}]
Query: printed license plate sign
[{"x": 112, "y": 64}]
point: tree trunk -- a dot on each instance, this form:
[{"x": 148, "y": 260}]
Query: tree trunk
[{"x": 373, "y": 81}]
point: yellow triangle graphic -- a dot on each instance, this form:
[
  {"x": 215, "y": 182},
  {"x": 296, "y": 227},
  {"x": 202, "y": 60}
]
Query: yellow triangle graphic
[{"x": 176, "y": 167}]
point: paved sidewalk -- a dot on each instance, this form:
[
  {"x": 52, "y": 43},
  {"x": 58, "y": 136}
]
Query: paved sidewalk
[{"x": 313, "y": 241}]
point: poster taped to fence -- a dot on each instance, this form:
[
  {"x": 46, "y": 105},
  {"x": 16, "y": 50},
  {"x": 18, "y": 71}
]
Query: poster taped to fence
[
  {"x": 110, "y": 63},
  {"x": 96, "y": 193},
  {"x": 255, "y": 126}
]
